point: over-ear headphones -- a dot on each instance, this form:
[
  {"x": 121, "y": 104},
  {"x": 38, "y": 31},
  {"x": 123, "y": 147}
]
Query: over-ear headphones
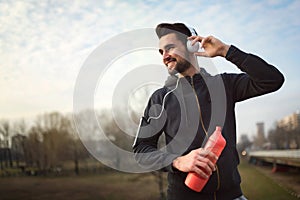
[{"x": 192, "y": 48}]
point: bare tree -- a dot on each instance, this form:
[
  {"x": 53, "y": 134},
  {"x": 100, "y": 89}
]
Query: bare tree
[
  {"x": 137, "y": 106},
  {"x": 49, "y": 142},
  {"x": 84, "y": 130},
  {"x": 278, "y": 137},
  {"x": 20, "y": 127},
  {"x": 18, "y": 141},
  {"x": 5, "y": 131},
  {"x": 115, "y": 134},
  {"x": 33, "y": 148}
]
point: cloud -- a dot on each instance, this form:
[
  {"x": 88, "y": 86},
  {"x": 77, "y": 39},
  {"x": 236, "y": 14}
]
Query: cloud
[{"x": 43, "y": 44}]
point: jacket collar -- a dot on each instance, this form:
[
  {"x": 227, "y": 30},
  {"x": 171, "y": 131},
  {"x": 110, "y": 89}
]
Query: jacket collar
[{"x": 171, "y": 80}]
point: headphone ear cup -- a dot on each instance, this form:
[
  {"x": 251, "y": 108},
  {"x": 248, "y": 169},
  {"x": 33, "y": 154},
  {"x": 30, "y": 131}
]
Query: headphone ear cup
[{"x": 192, "y": 48}]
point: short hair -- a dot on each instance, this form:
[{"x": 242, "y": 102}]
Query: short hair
[{"x": 180, "y": 29}]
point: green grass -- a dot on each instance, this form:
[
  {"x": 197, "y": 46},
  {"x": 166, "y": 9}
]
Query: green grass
[{"x": 258, "y": 186}]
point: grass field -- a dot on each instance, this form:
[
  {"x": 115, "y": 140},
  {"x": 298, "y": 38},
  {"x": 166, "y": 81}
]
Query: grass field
[
  {"x": 257, "y": 185},
  {"x": 116, "y": 186}
]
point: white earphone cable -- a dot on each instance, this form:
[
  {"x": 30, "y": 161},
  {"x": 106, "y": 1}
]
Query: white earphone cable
[{"x": 163, "y": 102}]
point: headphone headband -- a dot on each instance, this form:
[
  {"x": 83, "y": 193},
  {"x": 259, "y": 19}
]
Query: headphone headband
[{"x": 192, "y": 30}]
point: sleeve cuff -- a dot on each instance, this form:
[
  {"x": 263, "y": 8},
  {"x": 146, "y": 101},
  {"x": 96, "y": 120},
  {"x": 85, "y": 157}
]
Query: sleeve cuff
[
  {"x": 170, "y": 167},
  {"x": 236, "y": 56}
]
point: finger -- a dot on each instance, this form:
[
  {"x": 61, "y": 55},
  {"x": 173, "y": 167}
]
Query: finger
[
  {"x": 201, "y": 151},
  {"x": 212, "y": 166},
  {"x": 195, "y": 39},
  {"x": 201, "y": 53},
  {"x": 191, "y": 37},
  {"x": 204, "y": 152},
  {"x": 213, "y": 157},
  {"x": 208, "y": 157},
  {"x": 206, "y": 164},
  {"x": 206, "y": 40},
  {"x": 195, "y": 36},
  {"x": 201, "y": 173},
  {"x": 208, "y": 153}
]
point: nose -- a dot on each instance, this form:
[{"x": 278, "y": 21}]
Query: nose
[{"x": 165, "y": 55}]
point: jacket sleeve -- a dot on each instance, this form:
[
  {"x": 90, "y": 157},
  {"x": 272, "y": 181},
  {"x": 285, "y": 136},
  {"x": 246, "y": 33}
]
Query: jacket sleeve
[
  {"x": 145, "y": 147},
  {"x": 258, "y": 78}
]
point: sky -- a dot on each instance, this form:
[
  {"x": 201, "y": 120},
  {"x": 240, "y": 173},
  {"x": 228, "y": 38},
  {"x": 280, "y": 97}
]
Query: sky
[{"x": 44, "y": 44}]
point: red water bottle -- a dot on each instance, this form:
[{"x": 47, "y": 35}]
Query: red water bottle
[{"x": 215, "y": 144}]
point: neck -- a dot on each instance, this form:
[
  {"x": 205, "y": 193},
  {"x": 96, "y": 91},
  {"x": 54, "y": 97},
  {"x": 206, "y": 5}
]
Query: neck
[{"x": 193, "y": 69}]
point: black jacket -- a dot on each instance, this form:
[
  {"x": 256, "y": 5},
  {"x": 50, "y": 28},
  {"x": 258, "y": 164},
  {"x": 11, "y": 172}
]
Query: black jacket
[{"x": 178, "y": 110}]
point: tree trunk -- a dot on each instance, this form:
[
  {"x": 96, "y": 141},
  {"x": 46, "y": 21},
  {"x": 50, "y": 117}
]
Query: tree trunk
[
  {"x": 76, "y": 163},
  {"x": 10, "y": 158},
  {"x": 161, "y": 185}
]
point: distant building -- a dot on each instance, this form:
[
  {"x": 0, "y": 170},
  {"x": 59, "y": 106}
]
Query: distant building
[
  {"x": 260, "y": 130},
  {"x": 291, "y": 125},
  {"x": 260, "y": 139},
  {"x": 290, "y": 122}
]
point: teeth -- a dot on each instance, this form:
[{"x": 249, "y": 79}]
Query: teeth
[{"x": 170, "y": 60}]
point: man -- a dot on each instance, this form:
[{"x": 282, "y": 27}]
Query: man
[{"x": 189, "y": 107}]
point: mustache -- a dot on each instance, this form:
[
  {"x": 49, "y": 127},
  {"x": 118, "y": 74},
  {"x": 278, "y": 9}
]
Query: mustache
[{"x": 169, "y": 59}]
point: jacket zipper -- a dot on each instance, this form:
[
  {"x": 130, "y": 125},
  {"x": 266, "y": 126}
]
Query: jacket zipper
[
  {"x": 199, "y": 107},
  {"x": 204, "y": 129}
]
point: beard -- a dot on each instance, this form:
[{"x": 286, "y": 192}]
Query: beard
[{"x": 181, "y": 66}]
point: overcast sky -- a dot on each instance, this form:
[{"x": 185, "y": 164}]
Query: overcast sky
[{"x": 43, "y": 45}]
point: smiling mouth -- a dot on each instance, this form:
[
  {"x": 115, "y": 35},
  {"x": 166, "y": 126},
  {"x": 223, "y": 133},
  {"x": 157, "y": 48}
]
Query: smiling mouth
[{"x": 168, "y": 60}]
